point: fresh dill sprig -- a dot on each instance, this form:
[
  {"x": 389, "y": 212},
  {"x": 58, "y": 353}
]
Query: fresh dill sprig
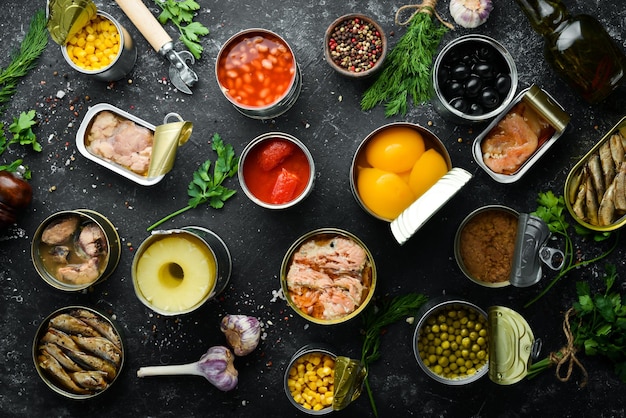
[
  {"x": 377, "y": 317},
  {"x": 407, "y": 70},
  {"x": 24, "y": 59}
]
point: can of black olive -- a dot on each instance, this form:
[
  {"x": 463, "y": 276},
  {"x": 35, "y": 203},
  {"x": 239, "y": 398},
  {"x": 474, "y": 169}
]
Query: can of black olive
[{"x": 75, "y": 249}]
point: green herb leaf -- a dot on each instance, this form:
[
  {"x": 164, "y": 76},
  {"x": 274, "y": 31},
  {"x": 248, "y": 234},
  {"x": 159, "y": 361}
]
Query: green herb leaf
[
  {"x": 21, "y": 128},
  {"x": 376, "y": 317},
  {"x": 206, "y": 187},
  {"x": 23, "y": 60},
  {"x": 407, "y": 69},
  {"x": 551, "y": 209},
  {"x": 181, "y": 14}
]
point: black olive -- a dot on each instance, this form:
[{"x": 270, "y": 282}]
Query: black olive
[
  {"x": 443, "y": 74},
  {"x": 459, "y": 72},
  {"x": 460, "y": 104},
  {"x": 475, "y": 109},
  {"x": 485, "y": 53},
  {"x": 454, "y": 89},
  {"x": 473, "y": 84},
  {"x": 489, "y": 98},
  {"x": 503, "y": 83},
  {"x": 483, "y": 70}
]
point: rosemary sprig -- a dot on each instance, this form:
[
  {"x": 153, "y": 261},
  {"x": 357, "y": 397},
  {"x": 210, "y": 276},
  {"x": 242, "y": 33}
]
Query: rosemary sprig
[
  {"x": 25, "y": 58},
  {"x": 377, "y": 317},
  {"x": 408, "y": 67}
]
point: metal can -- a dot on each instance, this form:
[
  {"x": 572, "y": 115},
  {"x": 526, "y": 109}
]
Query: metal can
[
  {"x": 509, "y": 345},
  {"x": 176, "y": 271},
  {"x": 534, "y": 104},
  {"x": 52, "y": 339},
  {"x": 259, "y": 183},
  {"x": 161, "y": 148},
  {"x": 510, "y": 246},
  {"x": 62, "y": 261},
  {"x": 348, "y": 377},
  {"x": 245, "y": 73},
  {"x": 606, "y": 208},
  {"x": 123, "y": 62},
  {"x": 495, "y": 59},
  {"x": 324, "y": 239}
]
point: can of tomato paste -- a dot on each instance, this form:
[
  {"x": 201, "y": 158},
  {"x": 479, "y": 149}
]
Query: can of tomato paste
[
  {"x": 109, "y": 56},
  {"x": 257, "y": 72}
]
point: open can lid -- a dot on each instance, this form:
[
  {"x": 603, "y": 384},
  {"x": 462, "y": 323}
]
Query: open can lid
[
  {"x": 530, "y": 251},
  {"x": 511, "y": 344},
  {"x": 68, "y": 17},
  {"x": 420, "y": 211}
]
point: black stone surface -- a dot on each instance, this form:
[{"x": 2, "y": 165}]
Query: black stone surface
[{"x": 327, "y": 118}]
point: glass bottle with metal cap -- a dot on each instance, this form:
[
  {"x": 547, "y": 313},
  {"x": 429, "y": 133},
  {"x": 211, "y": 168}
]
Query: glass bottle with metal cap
[{"x": 578, "y": 48}]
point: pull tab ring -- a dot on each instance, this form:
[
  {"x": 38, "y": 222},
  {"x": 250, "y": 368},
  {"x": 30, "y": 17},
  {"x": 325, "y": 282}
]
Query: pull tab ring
[{"x": 553, "y": 258}]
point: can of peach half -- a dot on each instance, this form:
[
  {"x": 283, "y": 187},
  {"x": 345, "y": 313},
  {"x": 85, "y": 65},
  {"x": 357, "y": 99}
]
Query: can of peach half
[
  {"x": 176, "y": 271},
  {"x": 257, "y": 72}
]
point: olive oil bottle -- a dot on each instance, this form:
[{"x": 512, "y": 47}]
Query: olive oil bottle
[{"x": 578, "y": 48}]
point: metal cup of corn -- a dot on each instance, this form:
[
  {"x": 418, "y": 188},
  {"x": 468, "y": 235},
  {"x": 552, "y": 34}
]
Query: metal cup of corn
[
  {"x": 317, "y": 381},
  {"x": 92, "y": 41}
]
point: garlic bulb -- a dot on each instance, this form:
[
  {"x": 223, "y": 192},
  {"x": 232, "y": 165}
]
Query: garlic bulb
[
  {"x": 470, "y": 13},
  {"x": 216, "y": 365},
  {"x": 242, "y": 333}
]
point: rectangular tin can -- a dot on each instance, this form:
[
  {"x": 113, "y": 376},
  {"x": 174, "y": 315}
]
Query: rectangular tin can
[
  {"x": 81, "y": 139},
  {"x": 546, "y": 107},
  {"x": 605, "y": 209}
]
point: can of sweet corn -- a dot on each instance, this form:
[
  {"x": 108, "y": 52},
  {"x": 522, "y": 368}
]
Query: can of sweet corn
[{"x": 102, "y": 49}]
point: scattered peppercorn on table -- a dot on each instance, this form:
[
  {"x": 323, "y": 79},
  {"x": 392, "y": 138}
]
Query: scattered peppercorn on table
[{"x": 327, "y": 118}]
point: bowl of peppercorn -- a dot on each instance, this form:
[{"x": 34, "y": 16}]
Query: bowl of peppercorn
[
  {"x": 355, "y": 46},
  {"x": 474, "y": 79}
]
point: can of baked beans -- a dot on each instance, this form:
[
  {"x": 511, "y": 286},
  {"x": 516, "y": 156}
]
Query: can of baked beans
[{"x": 257, "y": 72}]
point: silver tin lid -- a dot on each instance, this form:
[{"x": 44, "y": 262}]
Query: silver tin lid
[
  {"x": 530, "y": 251},
  {"x": 420, "y": 211}
]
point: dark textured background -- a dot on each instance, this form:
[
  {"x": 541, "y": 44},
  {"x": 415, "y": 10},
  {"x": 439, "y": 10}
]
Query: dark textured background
[{"x": 328, "y": 119}]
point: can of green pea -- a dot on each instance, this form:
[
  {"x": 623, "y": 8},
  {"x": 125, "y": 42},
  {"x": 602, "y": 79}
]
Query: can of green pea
[{"x": 456, "y": 342}]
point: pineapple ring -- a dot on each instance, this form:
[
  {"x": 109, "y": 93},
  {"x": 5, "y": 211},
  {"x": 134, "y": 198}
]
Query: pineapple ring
[{"x": 176, "y": 273}]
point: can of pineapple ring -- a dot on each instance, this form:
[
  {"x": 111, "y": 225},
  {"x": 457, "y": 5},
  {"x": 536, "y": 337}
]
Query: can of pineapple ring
[{"x": 176, "y": 271}]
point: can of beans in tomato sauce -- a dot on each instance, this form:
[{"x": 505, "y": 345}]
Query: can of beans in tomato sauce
[
  {"x": 257, "y": 72},
  {"x": 109, "y": 56}
]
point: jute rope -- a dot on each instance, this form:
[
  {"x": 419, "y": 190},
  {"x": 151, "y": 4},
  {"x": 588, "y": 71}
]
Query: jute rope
[
  {"x": 567, "y": 354},
  {"x": 427, "y": 6}
]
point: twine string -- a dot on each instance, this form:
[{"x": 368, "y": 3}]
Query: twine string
[
  {"x": 427, "y": 6},
  {"x": 566, "y": 356}
]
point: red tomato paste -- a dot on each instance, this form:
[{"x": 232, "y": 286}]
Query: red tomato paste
[{"x": 276, "y": 171}]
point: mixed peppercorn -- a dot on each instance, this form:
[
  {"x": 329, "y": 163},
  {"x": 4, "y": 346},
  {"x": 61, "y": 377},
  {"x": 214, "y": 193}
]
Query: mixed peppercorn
[{"x": 355, "y": 45}]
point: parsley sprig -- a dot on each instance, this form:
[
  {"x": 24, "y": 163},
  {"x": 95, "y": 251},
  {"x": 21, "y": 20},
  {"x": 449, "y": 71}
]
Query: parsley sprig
[
  {"x": 205, "y": 187},
  {"x": 181, "y": 13},
  {"x": 598, "y": 326},
  {"x": 552, "y": 210}
]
